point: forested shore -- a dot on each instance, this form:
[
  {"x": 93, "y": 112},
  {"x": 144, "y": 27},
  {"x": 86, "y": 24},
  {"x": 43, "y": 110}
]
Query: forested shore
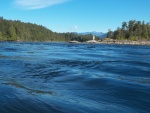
[
  {"x": 21, "y": 31},
  {"x": 131, "y": 31}
]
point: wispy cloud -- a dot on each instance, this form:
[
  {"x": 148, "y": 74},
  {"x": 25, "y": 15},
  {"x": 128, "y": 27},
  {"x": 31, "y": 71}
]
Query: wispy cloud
[
  {"x": 75, "y": 27},
  {"x": 36, "y": 4}
]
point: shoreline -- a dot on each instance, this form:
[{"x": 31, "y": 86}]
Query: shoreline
[{"x": 126, "y": 42}]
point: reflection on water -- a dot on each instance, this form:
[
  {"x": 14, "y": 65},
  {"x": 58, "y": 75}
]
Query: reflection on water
[
  {"x": 66, "y": 78},
  {"x": 17, "y": 85}
]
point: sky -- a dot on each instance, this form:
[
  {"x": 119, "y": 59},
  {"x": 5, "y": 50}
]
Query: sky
[{"x": 76, "y": 15}]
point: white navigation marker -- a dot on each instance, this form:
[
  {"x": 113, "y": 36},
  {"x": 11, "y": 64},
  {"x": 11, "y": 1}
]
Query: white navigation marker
[{"x": 93, "y": 37}]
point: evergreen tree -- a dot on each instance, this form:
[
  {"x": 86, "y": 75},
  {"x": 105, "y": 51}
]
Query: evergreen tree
[
  {"x": 1, "y": 37},
  {"x": 13, "y": 35},
  {"x": 109, "y": 34},
  {"x": 124, "y": 25}
]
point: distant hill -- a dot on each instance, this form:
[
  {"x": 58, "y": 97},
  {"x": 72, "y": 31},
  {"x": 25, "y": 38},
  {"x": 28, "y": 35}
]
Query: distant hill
[
  {"x": 98, "y": 34},
  {"x": 21, "y": 31}
]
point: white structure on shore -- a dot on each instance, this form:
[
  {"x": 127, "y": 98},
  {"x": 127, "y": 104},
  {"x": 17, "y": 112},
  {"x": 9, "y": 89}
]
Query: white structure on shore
[
  {"x": 92, "y": 41},
  {"x": 93, "y": 37}
]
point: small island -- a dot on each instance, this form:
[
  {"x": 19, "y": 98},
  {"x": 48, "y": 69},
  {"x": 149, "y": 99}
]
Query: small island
[{"x": 131, "y": 33}]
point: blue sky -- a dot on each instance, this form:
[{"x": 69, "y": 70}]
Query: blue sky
[{"x": 76, "y": 15}]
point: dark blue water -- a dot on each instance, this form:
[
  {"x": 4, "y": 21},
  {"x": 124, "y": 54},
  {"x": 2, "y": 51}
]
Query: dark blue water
[{"x": 74, "y": 78}]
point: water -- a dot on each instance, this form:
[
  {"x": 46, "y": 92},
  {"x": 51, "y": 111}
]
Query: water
[{"x": 74, "y": 78}]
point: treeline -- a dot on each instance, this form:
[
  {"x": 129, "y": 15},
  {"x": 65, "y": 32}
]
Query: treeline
[
  {"x": 132, "y": 30},
  {"x": 20, "y": 31}
]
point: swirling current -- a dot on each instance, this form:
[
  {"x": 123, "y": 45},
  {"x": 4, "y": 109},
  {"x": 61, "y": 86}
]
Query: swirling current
[{"x": 74, "y": 78}]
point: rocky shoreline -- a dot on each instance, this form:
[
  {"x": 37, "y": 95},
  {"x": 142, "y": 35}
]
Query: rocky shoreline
[
  {"x": 111, "y": 41},
  {"x": 126, "y": 42}
]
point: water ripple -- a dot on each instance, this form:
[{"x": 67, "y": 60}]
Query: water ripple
[{"x": 81, "y": 78}]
